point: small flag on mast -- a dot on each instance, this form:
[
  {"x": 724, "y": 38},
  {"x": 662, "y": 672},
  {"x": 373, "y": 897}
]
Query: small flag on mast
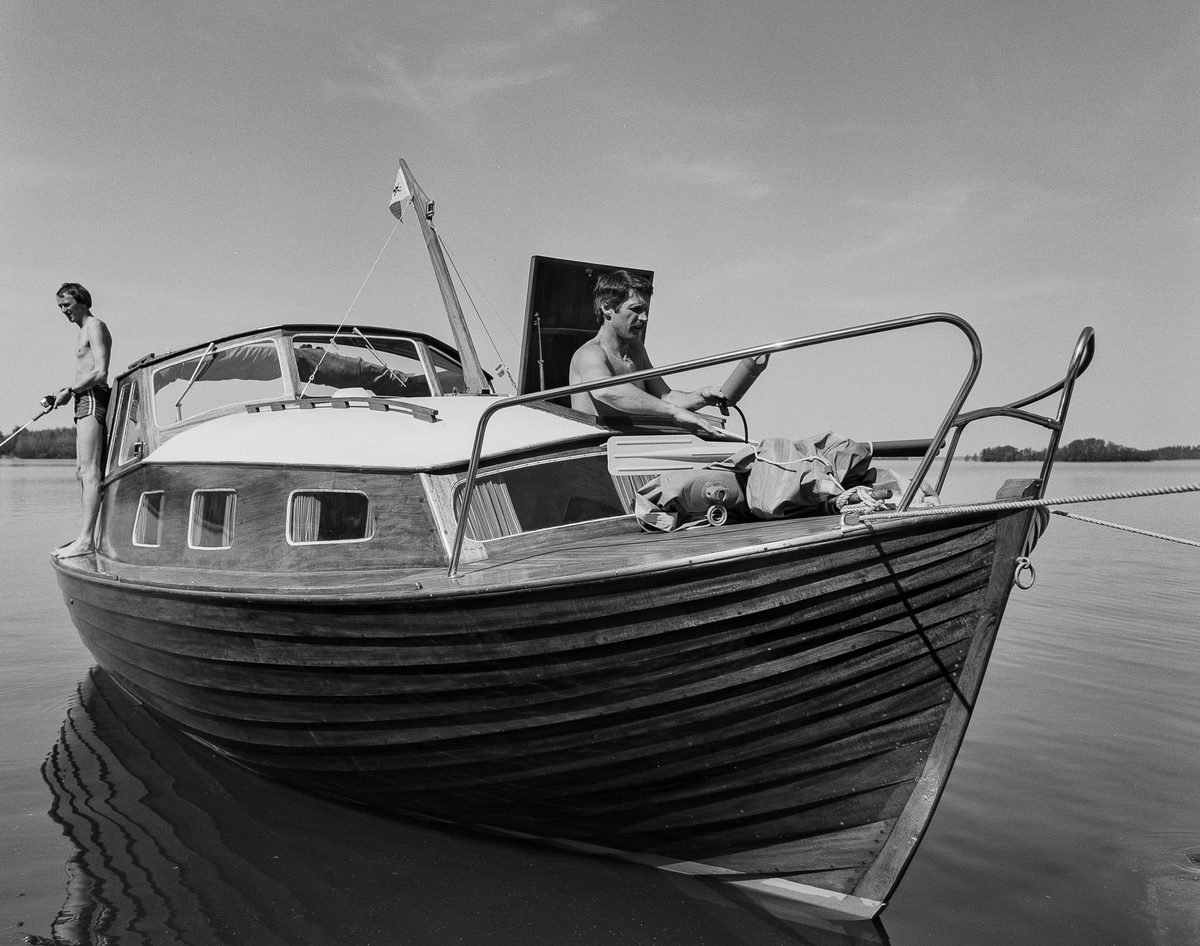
[{"x": 401, "y": 195}]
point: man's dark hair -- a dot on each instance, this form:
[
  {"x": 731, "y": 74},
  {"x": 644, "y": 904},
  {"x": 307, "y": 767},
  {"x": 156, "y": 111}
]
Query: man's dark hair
[
  {"x": 76, "y": 292},
  {"x": 614, "y": 288}
]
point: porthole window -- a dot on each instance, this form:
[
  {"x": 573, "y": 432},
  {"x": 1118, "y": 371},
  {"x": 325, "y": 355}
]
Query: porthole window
[
  {"x": 319, "y": 516},
  {"x": 147, "y": 524},
  {"x": 211, "y": 523}
]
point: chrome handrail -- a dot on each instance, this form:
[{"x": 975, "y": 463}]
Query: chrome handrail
[
  {"x": 805, "y": 341},
  {"x": 1081, "y": 357}
]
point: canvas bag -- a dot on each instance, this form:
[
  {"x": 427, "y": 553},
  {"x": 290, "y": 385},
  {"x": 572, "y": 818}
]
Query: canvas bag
[
  {"x": 671, "y": 499},
  {"x": 796, "y": 478}
]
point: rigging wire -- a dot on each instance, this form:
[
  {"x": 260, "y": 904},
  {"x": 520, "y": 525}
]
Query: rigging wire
[
  {"x": 378, "y": 357},
  {"x": 338, "y": 330},
  {"x": 503, "y": 369},
  {"x": 446, "y": 247}
]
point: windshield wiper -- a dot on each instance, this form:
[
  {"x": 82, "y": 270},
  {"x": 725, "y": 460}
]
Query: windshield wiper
[{"x": 201, "y": 367}]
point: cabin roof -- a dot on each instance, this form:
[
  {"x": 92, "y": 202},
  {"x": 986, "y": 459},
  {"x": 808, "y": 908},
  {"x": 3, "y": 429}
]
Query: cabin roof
[
  {"x": 361, "y": 438},
  {"x": 291, "y": 328}
]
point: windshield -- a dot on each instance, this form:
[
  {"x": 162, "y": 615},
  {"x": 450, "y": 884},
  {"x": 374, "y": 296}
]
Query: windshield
[
  {"x": 215, "y": 378},
  {"x": 354, "y": 364}
]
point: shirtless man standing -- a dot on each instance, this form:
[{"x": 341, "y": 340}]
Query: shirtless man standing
[
  {"x": 622, "y": 303},
  {"x": 91, "y": 393}
]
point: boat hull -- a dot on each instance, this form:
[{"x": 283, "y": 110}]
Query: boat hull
[{"x": 783, "y": 719}]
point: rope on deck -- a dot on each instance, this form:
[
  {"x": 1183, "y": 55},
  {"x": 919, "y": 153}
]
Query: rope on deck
[
  {"x": 1113, "y": 525},
  {"x": 1026, "y": 503}
]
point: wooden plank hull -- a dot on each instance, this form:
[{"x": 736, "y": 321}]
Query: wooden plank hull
[
  {"x": 165, "y": 838},
  {"x": 783, "y": 719}
]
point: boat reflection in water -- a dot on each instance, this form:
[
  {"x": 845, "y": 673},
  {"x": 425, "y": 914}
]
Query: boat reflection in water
[{"x": 174, "y": 844}]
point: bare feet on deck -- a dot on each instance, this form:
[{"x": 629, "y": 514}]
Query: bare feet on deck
[{"x": 75, "y": 549}]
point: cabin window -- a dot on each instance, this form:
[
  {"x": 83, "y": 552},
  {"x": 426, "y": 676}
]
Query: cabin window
[
  {"x": 131, "y": 444},
  {"x": 449, "y": 374},
  {"x": 351, "y": 364},
  {"x": 216, "y": 378},
  {"x": 329, "y": 516},
  {"x": 123, "y": 423},
  {"x": 211, "y": 523},
  {"x": 147, "y": 524},
  {"x": 541, "y": 495}
]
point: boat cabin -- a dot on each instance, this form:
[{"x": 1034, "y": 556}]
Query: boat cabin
[{"x": 299, "y": 448}]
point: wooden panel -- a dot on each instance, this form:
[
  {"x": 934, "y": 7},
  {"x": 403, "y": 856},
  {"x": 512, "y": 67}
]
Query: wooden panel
[
  {"x": 853, "y": 847},
  {"x": 886, "y": 871},
  {"x": 405, "y": 530}
]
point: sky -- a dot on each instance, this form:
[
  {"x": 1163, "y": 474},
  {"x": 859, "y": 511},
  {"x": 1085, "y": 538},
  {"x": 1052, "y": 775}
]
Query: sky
[{"x": 785, "y": 168}]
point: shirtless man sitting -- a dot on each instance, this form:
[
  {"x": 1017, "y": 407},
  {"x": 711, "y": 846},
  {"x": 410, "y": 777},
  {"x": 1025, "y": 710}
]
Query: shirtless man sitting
[
  {"x": 91, "y": 394},
  {"x": 622, "y": 303}
]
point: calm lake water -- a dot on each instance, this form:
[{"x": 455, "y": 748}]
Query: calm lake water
[{"x": 1072, "y": 815}]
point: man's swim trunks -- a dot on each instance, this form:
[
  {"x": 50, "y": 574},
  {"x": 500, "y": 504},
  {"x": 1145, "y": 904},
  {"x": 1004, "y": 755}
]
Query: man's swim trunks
[{"x": 93, "y": 403}]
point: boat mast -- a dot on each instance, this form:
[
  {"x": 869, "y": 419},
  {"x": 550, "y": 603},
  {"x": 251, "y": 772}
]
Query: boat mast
[{"x": 473, "y": 376}]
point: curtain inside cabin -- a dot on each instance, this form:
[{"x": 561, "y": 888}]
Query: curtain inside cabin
[
  {"x": 330, "y": 517},
  {"x": 212, "y": 519}
]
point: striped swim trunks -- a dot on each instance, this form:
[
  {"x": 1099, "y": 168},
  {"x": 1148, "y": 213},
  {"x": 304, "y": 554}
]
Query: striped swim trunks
[{"x": 93, "y": 403}]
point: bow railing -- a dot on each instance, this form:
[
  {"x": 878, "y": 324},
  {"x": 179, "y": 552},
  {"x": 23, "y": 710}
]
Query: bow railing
[{"x": 805, "y": 341}]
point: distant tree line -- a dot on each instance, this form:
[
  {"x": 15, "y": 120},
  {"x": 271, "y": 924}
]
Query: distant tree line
[
  {"x": 1091, "y": 450},
  {"x": 58, "y": 443}
]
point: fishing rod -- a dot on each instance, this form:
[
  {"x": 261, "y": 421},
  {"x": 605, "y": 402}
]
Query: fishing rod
[{"x": 47, "y": 406}]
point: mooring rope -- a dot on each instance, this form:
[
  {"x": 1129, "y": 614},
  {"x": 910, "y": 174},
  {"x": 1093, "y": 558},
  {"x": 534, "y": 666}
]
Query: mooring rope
[
  {"x": 1113, "y": 525},
  {"x": 1026, "y": 503}
]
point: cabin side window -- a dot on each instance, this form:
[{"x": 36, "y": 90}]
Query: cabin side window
[
  {"x": 147, "y": 524},
  {"x": 210, "y": 525},
  {"x": 132, "y": 444},
  {"x": 449, "y": 374},
  {"x": 322, "y": 516},
  {"x": 541, "y": 495},
  {"x": 128, "y": 435}
]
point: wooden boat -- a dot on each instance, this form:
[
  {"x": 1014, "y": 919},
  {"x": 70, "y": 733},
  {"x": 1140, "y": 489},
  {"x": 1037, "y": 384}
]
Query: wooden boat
[{"x": 316, "y": 560}]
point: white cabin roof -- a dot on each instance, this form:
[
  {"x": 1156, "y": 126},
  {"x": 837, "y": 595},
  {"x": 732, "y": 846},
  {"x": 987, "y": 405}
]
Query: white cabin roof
[{"x": 358, "y": 437}]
